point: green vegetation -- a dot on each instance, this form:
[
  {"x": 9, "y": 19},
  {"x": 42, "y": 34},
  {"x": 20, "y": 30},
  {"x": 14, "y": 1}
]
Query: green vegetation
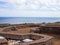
[{"x": 6, "y": 25}]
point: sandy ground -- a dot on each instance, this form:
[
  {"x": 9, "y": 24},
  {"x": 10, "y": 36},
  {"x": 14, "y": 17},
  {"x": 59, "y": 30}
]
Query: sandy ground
[
  {"x": 56, "y": 38},
  {"x": 57, "y": 42}
]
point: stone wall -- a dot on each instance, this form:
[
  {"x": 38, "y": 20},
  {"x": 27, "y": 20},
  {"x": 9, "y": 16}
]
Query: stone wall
[
  {"x": 4, "y": 43},
  {"x": 39, "y": 39}
]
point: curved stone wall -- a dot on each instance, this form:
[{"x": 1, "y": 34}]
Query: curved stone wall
[{"x": 39, "y": 39}]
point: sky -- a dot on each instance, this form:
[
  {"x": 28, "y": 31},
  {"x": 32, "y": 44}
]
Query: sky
[{"x": 29, "y": 8}]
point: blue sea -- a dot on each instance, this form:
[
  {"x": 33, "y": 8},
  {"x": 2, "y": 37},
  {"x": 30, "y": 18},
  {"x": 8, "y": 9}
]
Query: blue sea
[{"x": 19, "y": 20}]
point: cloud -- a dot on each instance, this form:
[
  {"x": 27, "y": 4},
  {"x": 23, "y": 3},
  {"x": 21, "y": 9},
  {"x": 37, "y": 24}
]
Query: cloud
[
  {"x": 39, "y": 4},
  {"x": 29, "y": 14},
  {"x": 29, "y": 8},
  {"x": 6, "y": 5},
  {"x": 31, "y": 4}
]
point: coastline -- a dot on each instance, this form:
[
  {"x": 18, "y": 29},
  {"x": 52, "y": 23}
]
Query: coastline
[{"x": 20, "y": 20}]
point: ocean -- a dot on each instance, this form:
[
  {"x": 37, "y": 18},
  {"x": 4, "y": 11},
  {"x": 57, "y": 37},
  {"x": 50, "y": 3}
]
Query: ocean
[{"x": 19, "y": 20}]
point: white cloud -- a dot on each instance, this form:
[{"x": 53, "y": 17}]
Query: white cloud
[
  {"x": 37, "y": 4},
  {"x": 34, "y": 4},
  {"x": 34, "y": 7},
  {"x": 29, "y": 14}
]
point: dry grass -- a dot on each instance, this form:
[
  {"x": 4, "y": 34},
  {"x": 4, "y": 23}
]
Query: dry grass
[{"x": 22, "y": 30}]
